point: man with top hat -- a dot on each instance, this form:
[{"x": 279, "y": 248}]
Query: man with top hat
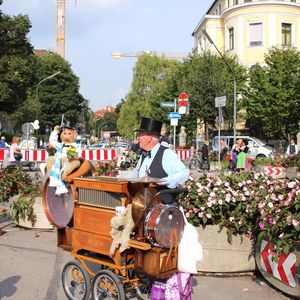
[{"x": 158, "y": 161}]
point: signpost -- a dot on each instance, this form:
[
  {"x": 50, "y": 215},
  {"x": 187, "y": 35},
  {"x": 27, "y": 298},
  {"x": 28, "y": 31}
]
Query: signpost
[
  {"x": 166, "y": 104},
  {"x": 183, "y": 101},
  {"x": 219, "y": 103}
]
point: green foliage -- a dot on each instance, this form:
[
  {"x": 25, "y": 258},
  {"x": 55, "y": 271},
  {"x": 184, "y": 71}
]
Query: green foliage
[
  {"x": 285, "y": 162},
  {"x": 13, "y": 181},
  {"x": 204, "y": 77},
  {"x": 108, "y": 122},
  {"x": 59, "y": 95},
  {"x": 107, "y": 168},
  {"x": 247, "y": 203},
  {"x": 150, "y": 86},
  {"x": 17, "y": 62},
  {"x": 272, "y": 98}
]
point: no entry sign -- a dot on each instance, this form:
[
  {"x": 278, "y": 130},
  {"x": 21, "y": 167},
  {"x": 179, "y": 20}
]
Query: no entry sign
[{"x": 183, "y": 99}]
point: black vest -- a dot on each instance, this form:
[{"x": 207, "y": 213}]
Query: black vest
[{"x": 156, "y": 171}]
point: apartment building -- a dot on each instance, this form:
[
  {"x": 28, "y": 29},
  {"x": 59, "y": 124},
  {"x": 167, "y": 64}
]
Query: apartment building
[{"x": 249, "y": 28}]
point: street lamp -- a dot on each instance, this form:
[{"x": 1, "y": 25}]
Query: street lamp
[
  {"x": 37, "y": 88},
  {"x": 234, "y": 82}
]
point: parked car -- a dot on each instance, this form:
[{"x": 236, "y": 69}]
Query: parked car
[
  {"x": 257, "y": 148},
  {"x": 122, "y": 145},
  {"x": 99, "y": 146}
]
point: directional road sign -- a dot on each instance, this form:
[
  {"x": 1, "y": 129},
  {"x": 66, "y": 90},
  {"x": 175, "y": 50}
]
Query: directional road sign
[
  {"x": 167, "y": 104},
  {"x": 220, "y": 101},
  {"x": 174, "y": 115}
]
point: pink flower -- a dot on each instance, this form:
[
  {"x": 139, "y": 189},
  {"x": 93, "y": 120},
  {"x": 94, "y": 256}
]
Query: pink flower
[
  {"x": 261, "y": 225},
  {"x": 291, "y": 184},
  {"x": 200, "y": 214},
  {"x": 272, "y": 221},
  {"x": 208, "y": 216},
  {"x": 273, "y": 197},
  {"x": 295, "y": 223},
  {"x": 187, "y": 214},
  {"x": 261, "y": 205}
]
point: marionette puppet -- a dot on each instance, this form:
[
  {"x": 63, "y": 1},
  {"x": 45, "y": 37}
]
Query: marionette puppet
[{"x": 66, "y": 158}]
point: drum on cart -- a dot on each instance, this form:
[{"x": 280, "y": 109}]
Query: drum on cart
[
  {"x": 58, "y": 208},
  {"x": 164, "y": 225}
]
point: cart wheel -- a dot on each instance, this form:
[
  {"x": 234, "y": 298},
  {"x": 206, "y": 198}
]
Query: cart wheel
[
  {"x": 143, "y": 292},
  {"x": 107, "y": 285},
  {"x": 32, "y": 166},
  {"x": 76, "y": 281}
]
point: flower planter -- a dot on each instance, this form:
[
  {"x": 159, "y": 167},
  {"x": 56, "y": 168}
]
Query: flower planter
[
  {"x": 221, "y": 257},
  {"x": 41, "y": 219},
  {"x": 291, "y": 172}
]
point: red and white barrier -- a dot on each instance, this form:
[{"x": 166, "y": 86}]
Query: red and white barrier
[
  {"x": 284, "y": 270},
  {"x": 183, "y": 154},
  {"x": 40, "y": 155}
]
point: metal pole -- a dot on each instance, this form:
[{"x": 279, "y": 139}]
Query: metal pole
[
  {"x": 234, "y": 82},
  {"x": 174, "y": 138},
  {"x": 234, "y": 109},
  {"x": 37, "y": 88},
  {"x": 219, "y": 135}
]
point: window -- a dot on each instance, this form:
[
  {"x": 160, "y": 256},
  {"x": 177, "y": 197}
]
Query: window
[
  {"x": 245, "y": 1},
  {"x": 228, "y": 3},
  {"x": 231, "y": 38},
  {"x": 235, "y": 2},
  {"x": 286, "y": 34},
  {"x": 293, "y": 0},
  {"x": 220, "y": 9},
  {"x": 255, "y": 34}
]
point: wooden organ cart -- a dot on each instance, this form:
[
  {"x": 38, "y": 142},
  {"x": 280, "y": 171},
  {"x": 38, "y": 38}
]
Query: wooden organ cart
[{"x": 83, "y": 220}]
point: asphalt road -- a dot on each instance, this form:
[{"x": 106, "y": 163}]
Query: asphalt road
[{"x": 31, "y": 266}]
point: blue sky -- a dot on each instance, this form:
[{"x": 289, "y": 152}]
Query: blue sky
[{"x": 97, "y": 28}]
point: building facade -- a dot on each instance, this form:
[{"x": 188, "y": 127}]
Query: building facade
[{"x": 248, "y": 29}]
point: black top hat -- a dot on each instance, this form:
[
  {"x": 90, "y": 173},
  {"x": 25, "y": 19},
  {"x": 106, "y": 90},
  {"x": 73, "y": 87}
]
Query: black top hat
[
  {"x": 150, "y": 126},
  {"x": 69, "y": 125}
]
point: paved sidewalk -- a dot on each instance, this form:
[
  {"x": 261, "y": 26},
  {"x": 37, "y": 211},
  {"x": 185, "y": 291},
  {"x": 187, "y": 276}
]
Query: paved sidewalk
[{"x": 31, "y": 265}]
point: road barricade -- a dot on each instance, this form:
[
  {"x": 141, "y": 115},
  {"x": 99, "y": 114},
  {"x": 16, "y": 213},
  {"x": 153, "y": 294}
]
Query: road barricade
[{"x": 41, "y": 155}]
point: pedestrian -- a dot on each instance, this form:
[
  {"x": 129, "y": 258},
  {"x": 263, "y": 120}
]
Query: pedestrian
[
  {"x": 15, "y": 153},
  {"x": 192, "y": 159},
  {"x": 164, "y": 139},
  {"x": 235, "y": 150},
  {"x": 205, "y": 163},
  {"x": 292, "y": 148},
  {"x": 223, "y": 149},
  {"x": 241, "y": 164},
  {"x": 3, "y": 143},
  {"x": 158, "y": 161}
]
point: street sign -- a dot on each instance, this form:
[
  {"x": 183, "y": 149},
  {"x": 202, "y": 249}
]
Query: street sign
[
  {"x": 167, "y": 104},
  {"x": 173, "y": 122},
  {"x": 183, "y": 99},
  {"x": 220, "y": 101},
  {"x": 174, "y": 115}
]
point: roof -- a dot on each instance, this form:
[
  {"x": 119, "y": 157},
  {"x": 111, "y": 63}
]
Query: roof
[{"x": 100, "y": 112}]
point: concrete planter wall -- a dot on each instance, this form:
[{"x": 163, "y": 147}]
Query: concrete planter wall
[
  {"x": 41, "y": 219},
  {"x": 221, "y": 257}
]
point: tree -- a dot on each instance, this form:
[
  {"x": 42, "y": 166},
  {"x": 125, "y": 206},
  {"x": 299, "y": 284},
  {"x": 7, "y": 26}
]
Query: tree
[
  {"x": 272, "y": 99},
  {"x": 204, "y": 77},
  {"x": 59, "y": 95},
  {"x": 17, "y": 63},
  {"x": 150, "y": 86}
]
